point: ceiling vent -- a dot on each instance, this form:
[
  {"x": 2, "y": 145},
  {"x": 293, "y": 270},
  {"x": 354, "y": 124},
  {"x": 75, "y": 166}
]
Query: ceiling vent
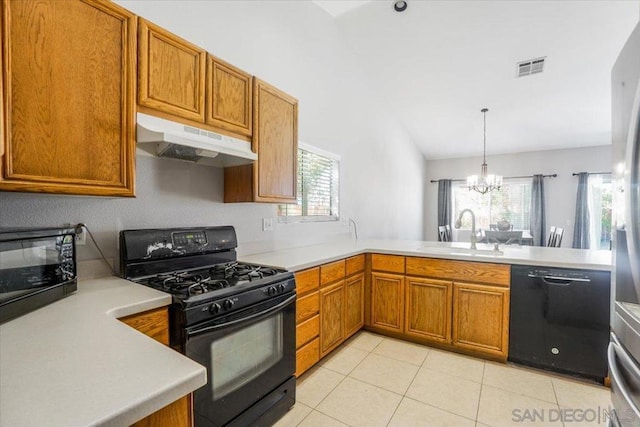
[{"x": 532, "y": 66}]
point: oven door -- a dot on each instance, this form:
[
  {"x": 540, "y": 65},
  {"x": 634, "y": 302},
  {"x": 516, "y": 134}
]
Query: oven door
[{"x": 248, "y": 354}]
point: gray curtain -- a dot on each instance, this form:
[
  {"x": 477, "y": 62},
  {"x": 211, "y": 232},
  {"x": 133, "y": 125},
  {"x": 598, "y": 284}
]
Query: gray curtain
[
  {"x": 581, "y": 225},
  {"x": 537, "y": 215},
  {"x": 444, "y": 202}
]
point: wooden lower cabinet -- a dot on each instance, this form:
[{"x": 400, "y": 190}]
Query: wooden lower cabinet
[
  {"x": 481, "y": 318},
  {"x": 307, "y": 356},
  {"x": 177, "y": 414},
  {"x": 331, "y": 317},
  {"x": 428, "y": 309},
  {"x": 307, "y": 330},
  {"x": 387, "y": 301},
  {"x": 354, "y": 304},
  {"x": 155, "y": 324},
  {"x": 307, "y": 306}
]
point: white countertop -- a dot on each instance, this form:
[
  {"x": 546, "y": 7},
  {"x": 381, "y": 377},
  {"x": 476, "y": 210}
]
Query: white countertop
[
  {"x": 296, "y": 259},
  {"x": 72, "y": 363}
]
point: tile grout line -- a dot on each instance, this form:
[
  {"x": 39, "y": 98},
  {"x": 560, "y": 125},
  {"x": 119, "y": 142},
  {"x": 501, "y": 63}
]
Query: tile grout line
[
  {"x": 484, "y": 366},
  {"x": 555, "y": 394},
  {"x": 404, "y": 395},
  {"x": 438, "y": 408},
  {"x": 339, "y": 382},
  {"x": 428, "y": 404}
]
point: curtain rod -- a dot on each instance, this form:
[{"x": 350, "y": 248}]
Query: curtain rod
[
  {"x": 433, "y": 181},
  {"x": 592, "y": 173}
]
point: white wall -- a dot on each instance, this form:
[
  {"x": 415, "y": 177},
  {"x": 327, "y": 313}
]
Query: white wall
[
  {"x": 297, "y": 47},
  {"x": 560, "y": 192}
]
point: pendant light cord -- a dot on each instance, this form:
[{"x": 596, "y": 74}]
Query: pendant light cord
[{"x": 484, "y": 145}]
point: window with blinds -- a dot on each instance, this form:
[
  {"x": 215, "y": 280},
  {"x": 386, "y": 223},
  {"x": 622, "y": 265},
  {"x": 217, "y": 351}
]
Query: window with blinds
[{"x": 317, "y": 187}]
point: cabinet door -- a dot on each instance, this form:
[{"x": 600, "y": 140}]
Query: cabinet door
[
  {"x": 428, "y": 309},
  {"x": 387, "y": 301},
  {"x": 171, "y": 73},
  {"x": 354, "y": 304},
  {"x": 154, "y": 323},
  {"x": 481, "y": 318},
  {"x": 229, "y": 100},
  {"x": 275, "y": 139},
  {"x": 69, "y": 97},
  {"x": 331, "y": 317}
]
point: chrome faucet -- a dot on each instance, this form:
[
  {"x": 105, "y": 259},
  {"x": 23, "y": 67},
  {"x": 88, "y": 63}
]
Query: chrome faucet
[{"x": 458, "y": 224}]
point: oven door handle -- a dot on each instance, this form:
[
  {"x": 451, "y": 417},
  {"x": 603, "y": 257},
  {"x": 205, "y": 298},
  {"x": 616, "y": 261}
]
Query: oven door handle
[{"x": 245, "y": 319}]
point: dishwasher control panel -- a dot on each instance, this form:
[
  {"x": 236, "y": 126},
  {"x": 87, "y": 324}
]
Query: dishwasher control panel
[{"x": 558, "y": 274}]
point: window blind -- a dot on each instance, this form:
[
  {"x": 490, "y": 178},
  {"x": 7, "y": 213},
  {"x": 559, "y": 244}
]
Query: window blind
[{"x": 317, "y": 188}]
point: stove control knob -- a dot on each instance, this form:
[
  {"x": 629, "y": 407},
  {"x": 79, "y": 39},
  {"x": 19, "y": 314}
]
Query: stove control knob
[
  {"x": 215, "y": 308},
  {"x": 272, "y": 290},
  {"x": 227, "y": 304},
  {"x": 282, "y": 287}
]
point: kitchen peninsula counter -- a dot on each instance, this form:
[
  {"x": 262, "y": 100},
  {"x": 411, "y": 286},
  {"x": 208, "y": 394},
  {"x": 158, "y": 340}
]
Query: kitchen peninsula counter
[
  {"x": 296, "y": 259},
  {"x": 72, "y": 363}
]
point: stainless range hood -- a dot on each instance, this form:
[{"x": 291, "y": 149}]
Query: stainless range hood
[{"x": 164, "y": 138}]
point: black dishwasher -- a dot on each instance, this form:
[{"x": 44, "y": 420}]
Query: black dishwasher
[{"x": 559, "y": 319}]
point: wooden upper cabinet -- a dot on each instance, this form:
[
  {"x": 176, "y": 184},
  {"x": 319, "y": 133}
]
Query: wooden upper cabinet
[
  {"x": 273, "y": 177},
  {"x": 275, "y": 139},
  {"x": 171, "y": 73},
  {"x": 229, "y": 97},
  {"x": 68, "y": 70}
]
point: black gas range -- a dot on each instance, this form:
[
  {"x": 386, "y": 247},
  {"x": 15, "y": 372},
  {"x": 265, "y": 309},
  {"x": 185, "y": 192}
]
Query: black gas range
[{"x": 235, "y": 318}]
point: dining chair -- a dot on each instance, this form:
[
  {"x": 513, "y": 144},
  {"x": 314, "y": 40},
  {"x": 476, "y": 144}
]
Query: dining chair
[
  {"x": 442, "y": 233},
  {"x": 558, "y": 237},
  {"x": 552, "y": 236}
]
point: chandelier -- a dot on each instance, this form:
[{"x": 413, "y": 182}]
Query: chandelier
[{"x": 485, "y": 182}]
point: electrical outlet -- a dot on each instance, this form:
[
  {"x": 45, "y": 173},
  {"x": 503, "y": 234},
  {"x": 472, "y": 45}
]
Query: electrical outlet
[
  {"x": 267, "y": 224},
  {"x": 81, "y": 238}
]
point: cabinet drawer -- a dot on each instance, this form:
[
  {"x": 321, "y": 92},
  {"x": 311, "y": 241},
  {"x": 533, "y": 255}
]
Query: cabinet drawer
[
  {"x": 390, "y": 263},
  {"x": 332, "y": 272},
  {"x": 307, "y": 356},
  {"x": 355, "y": 264},
  {"x": 307, "y": 330},
  {"x": 479, "y": 272},
  {"x": 307, "y": 280},
  {"x": 307, "y": 306}
]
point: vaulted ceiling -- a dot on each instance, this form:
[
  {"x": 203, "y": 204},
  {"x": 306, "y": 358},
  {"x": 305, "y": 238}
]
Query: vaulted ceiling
[{"x": 437, "y": 64}]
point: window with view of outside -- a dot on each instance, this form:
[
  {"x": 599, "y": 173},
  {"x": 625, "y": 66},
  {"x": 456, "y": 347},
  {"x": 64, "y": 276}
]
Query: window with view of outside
[
  {"x": 600, "y": 198},
  {"x": 318, "y": 187},
  {"x": 511, "y": 203}
]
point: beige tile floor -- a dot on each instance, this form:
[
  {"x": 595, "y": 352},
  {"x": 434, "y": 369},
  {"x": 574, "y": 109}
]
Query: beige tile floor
[{"x": 372, "y": 380}]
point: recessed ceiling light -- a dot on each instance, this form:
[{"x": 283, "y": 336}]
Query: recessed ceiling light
[{"x": 400, "y": 5}]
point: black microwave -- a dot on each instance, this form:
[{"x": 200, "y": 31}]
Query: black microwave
[{"x": 37, "y": 267}]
